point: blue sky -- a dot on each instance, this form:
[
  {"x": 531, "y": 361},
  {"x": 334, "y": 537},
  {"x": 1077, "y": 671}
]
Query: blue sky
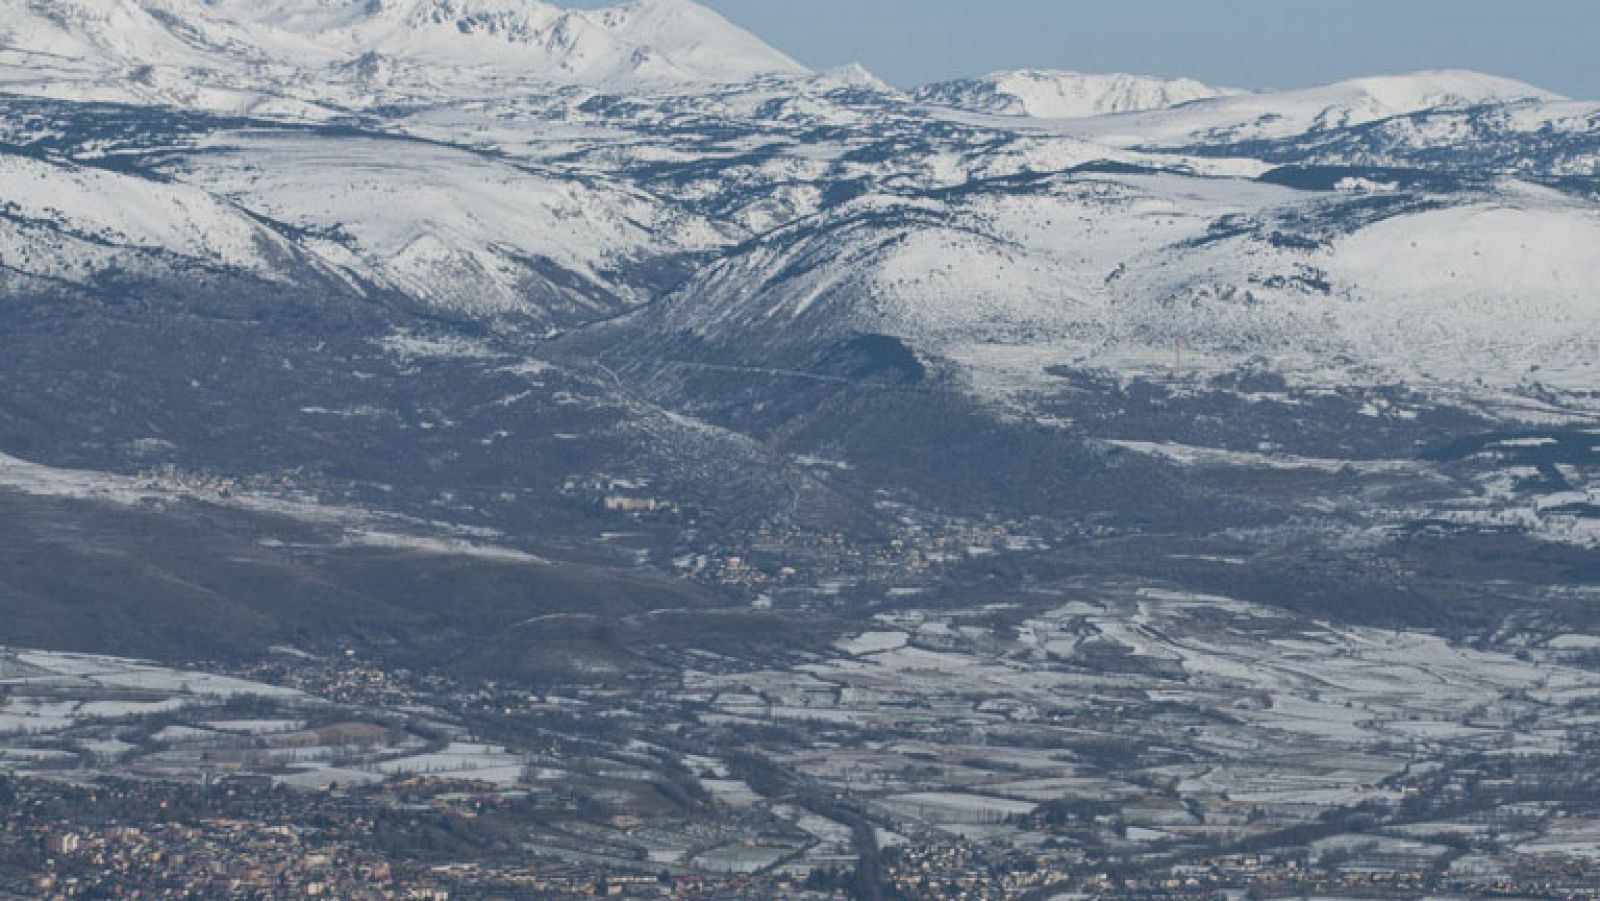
[{"x": 1241, "y": 43}]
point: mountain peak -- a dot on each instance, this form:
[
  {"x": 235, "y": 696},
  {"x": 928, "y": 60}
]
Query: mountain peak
[{"x": 693, "y": 38}]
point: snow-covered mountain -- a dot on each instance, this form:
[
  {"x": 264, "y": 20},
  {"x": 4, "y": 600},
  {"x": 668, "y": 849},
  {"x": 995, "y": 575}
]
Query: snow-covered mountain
[
  {"x": 1049, "y": 94},
  {"x": 650, "y": 186},
  {"x": 543, "y": 168},
  {"x": 649, "y": 41},
  {"x": 296, "y": 56},
  {"x": 1115, "y": 270}
]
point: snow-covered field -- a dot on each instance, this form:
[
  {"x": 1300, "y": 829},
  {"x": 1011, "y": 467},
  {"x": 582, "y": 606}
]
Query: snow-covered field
[
  {"x": 461, "y": 760},
  {"x": 47, "y": 693},
  {"x": 1256, "y": 708},
  {"x": 83, "y": 715},
  {"x": 40, "y": 668}
]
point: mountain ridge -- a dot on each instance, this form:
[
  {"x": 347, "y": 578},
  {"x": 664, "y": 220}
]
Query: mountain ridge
[
  {"x": 1060, "y": 94},
  {"x": 1341, "y": 104}
]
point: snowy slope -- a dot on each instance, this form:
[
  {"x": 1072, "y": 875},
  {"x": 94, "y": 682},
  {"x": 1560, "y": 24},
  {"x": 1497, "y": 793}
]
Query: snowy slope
[
  {"x": 66, "y": 223},
  {"x": 1050, "y": 94},
  {"x": 1489, "y": 289},
  {"x": 456, "y": 230},
  {"x": 459, "y": 230},
  {"x": 1117, "y": 269}
]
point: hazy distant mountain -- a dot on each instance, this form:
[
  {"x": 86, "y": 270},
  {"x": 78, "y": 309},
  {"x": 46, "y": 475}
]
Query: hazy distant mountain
[
  {"x": 1065, "y": 95},
  {"x": 1346, "y": 104}
]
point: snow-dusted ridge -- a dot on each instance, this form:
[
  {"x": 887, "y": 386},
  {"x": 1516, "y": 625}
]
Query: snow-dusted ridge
[
  {"x": 1049, "y": 94},
  {"x": 1277, "y": 114}
]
